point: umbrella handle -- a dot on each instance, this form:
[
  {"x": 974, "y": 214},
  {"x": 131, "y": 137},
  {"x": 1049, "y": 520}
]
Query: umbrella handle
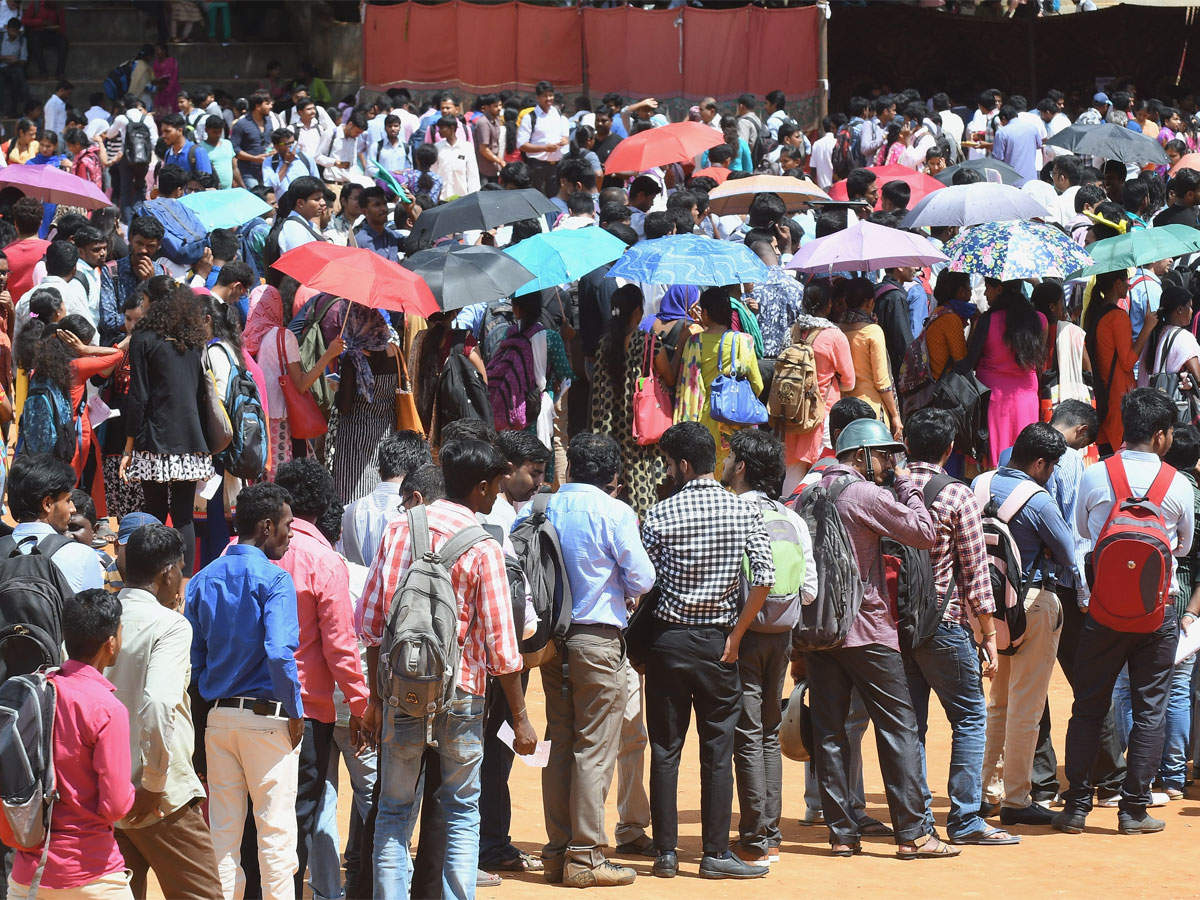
[{"x": 345, "y": 319}]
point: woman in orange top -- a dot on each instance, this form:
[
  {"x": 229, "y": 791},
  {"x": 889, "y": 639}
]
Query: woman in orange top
[
  {"x": 945, "y": 333},
  {"x": 1113, "y": 353}
]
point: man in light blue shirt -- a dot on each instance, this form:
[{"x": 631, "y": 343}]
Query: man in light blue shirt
[
  {"x": 607, "y": 567},
  {"x": 366, "y": 519},
  {"x": 1017, "y": 142},
  {"x": 1145, "y": 290}
]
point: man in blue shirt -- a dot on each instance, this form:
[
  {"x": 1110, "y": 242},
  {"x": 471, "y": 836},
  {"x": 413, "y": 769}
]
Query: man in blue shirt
[
  {"x": 287, "y": 163},
  {"x": 1023, "y": 679},
  {"x": 251, "y": 138},
  {"x": 245, "y": 633},
  {"x": 373, "y": 234},
  {"x": 607, "y": 568},
  {"x": 145, "y": 240},
  {"x": 188, "y": 155}
]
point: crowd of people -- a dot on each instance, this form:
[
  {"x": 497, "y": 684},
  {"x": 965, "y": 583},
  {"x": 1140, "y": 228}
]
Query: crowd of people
[{"x": 372, "y": 594}]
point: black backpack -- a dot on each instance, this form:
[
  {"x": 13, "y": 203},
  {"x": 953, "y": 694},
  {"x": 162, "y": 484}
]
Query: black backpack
[
  {"x": 32, "y": 592},
  {"x": 918, "y": 606},
  {"x": 496, "y": 321},
  {"x": 843, "y": 155},
  {"x": 536, "y": 543},
  {"x": 461, "y": 391},
  {"x": 139, "y": 147},
  {"x": 759, "y": 147},
  {"x": 826, "y": 621}
]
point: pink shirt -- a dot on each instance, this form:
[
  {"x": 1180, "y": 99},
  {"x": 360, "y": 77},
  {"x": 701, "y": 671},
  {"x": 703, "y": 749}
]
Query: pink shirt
[
  {"x": 328, "y": 650},
  {"x": 91, "y": 762}
]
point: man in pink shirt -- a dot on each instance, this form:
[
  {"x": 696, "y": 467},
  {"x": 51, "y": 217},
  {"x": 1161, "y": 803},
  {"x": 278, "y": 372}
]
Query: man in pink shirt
[
  {"x": 328, "y": 650},
  {"x": 91, "y": 762}
]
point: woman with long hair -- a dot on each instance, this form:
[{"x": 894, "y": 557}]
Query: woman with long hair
[
  {"x": 1011, "y": 347},
  {"x": 742, "y": 160},
  {"x": 582, "y": 143},
  {"x": 946, "y": 328},
  {"x": 868, "y": 352},
  {"x": 1066, "y": 356},
  {"x": 1171, "y": 347},
  {"x": 431, "y": 349},
  {"x": 1113, "y": 352}
]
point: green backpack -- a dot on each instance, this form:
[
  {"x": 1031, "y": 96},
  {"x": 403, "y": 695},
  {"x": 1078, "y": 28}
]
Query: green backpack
[
  {"x": 781, "y": 610},
  {"x": 312, "y": 348}
]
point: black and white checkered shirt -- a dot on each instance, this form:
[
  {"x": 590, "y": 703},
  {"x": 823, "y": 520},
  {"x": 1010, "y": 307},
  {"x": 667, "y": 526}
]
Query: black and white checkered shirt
[{"x": 696, "y": 540}]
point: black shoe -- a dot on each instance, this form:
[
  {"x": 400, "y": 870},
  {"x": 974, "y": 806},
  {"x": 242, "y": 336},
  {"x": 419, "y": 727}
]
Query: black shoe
[
  {"x": 1033, "y": 814},
  {"x": 666, "y": 865},
  {"x": 987, "y": 810},
  {"x": 729, "y": 866},
  {"x": 643, "y": 846},
  {"x": 869, "y": 827},
  {"x": 1070, "y": 822},
  {"x": 1147, "y": 824}
]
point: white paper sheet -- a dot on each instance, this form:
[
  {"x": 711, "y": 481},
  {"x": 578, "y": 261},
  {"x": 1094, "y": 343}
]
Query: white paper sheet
[
  {"x": 99, "y": 411},
  {"x": 1189, "y": 643},
  {"x": 541, "y": 754}
]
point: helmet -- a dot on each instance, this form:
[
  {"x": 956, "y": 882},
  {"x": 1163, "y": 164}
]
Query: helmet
[
  {"x": 795, "y": 731},
  {"x": 867, "y": 433}
]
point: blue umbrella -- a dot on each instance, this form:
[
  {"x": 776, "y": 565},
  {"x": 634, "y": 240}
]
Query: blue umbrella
[
  {"x": 559, "y": 257},
  {"x": 689, "y": 259},
  {"x": 225, "y": 209}
]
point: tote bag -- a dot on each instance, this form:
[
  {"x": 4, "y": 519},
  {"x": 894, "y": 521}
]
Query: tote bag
[
  {"x": 304, "y": 417},
  {"x": 731, "y": 398},
  {"x": 652, "y": 408}
]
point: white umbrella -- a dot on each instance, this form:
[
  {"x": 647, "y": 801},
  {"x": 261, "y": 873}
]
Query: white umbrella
[{"x": 974, "y": 204}]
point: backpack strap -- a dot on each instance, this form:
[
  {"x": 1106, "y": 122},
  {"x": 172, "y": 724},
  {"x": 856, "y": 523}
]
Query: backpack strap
[
  {"x": 934, "y": 487},
  {"x": 840, "y": 484},
  {"x": 541, "y": 502},
  {"x": 418, "y": 532},
  {"x": 1164, "y": 349},
  {"x": 52, "y": 543},
  {"x": 1022, "y": 494},
  {"x": 1161, "y": 484},
  {"x": 460, "y": 543}
]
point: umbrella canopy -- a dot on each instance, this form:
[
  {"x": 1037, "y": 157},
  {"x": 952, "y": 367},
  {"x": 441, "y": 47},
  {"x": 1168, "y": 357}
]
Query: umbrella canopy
[
  {"x": 677, "y": 142},
  {"x": 361, "y": 276},
  {"x": 734, "y": 197},
  {"x": 1187, "y": 161},
  {"x": 1109, "y": 141},
  {"x": 918, "y": 183},
  {"x": 716, "y": 173},
  {"x": 1141, "y": 247},
  {"x": 481, "y": 211},
  {"x": 52, "y": 185},
  {"x": 460, "y": 275},
  {"x": 558, "y": 257},
  {"x": 1001, "y": 172},
  {"x": 1011, "y": 250},
  {"x": 225, "y": 209},
  {"x": 974, "y": 204},
  {"x": 689, "y": 259},
  {"x": 865, "y": 246}
]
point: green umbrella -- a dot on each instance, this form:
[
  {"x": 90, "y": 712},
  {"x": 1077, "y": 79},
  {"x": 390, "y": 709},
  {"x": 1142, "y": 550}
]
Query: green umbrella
[{"x": 1140, "y": 247}]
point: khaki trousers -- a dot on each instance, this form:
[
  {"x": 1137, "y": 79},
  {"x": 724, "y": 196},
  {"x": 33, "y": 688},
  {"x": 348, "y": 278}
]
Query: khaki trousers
[{"x": 113, "y": 886}]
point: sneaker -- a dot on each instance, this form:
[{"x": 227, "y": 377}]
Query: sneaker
[
  {"x": 1159, "y": 798},
  {"x": 1174, "y": 794},
  {"x": 607, "y": 874},
  {"x": 1147, "y": 824},
  {"x": 729, "y": 866},
  {"x": 752, "y": 857},
  {"x": 1033, "y": 814},
  {"x": 1109, "y": 802}
]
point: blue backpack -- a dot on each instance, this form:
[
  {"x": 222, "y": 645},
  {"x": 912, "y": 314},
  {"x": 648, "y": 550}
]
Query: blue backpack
[
  {"x": 252, "y": 237},
  {"x": 43, "y": 428},
  {"x": 185, "y": 235},
  {"x": 246, "y": 455}
]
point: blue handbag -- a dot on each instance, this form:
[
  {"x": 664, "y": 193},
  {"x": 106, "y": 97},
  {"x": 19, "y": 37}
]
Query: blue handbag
[{"x": 731, "y": 398}]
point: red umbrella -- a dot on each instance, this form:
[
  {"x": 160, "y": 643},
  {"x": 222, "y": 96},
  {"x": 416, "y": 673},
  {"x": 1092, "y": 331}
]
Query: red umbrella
[
  {"x": 361, "y": 276},
  {"x": 52, "y": 185},
  {"x": 918, "y": 183},
  {"x": 716, "y": 173},
  {"x": 678, "y": 142}
]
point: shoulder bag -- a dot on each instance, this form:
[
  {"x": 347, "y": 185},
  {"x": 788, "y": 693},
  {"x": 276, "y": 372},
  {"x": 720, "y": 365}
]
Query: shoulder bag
[{"x": 304, "y": 417}]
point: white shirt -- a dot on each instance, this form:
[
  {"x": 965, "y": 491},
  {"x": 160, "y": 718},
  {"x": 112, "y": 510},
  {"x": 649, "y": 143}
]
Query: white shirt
[
  {"x": 74, "y": 297},
  {"x": 293, "y": 234},
  {"x": 342, "y": 149},
  {"x": 822, "y": 159},
  {"x": 393, "y": 157},
  {"x": 1183, "y": 348},
  {"x": 292, "y": 120},
  {"x": 119, "y": 123},
  {"x": 92, "y": 277},
  {"x": 8, "y": 11},
  {"x": 458, "y": 169},
  {"x": 543, "y": 127},
  {"x": 366, "y": 519},
  {"x": 979, "y": 122},
  {"x": 55, "y": 115},
  {"x": 952, "y": 125},
  {"x": 314, "y": 139},
  {"x": 774, "y": 120}
]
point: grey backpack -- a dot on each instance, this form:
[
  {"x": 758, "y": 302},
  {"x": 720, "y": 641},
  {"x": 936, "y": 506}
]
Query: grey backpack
[
  {"x": 419, "y": 654},
  {"x": 27, "y": 783}
]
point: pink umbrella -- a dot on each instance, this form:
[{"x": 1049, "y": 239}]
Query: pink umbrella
[
  {"x": 918, "y": 183},
  {"x": 865, "y": 246},
  {"x": 52, "y": 185}
]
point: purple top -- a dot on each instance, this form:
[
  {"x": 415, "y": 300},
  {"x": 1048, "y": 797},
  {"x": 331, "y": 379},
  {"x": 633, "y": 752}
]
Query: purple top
[{"x": 869, "y": 512}]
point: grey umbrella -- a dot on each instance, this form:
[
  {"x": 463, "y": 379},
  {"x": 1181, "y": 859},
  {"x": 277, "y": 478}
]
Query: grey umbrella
[
  {"x": 462, "y": 275},
  {"x": 974, "y": 204},
  {"x": 1109, "y": 141},
  {"x": 1008, "y": 175},
  {"x": 482, "y": 211}
]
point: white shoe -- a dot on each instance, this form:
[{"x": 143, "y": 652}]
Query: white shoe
[
  {"x": 1057, "y": 802},
  {"x": 1159, "y": 798},
  {"x": 1109, "y": 802}
]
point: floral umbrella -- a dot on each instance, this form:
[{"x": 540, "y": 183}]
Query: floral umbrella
[{"x": 1015, "y": 250}]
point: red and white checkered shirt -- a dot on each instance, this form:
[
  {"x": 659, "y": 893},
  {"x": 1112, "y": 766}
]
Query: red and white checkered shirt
[{"x": 486, "y": 632}]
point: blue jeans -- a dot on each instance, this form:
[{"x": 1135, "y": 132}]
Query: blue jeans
[
  {"x": 459, "y": 735},
  {"x": 1172, "y": 770},
  {"x": 324, "y": 856},
  {"x": 856, "y": 727},
  {"x": 948, "y": 664}
]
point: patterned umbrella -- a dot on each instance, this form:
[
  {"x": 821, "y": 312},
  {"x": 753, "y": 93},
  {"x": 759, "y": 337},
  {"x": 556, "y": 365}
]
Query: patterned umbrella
[
  {"x": 1014, "y": 250},
  {"x": 689, "y": 259}
]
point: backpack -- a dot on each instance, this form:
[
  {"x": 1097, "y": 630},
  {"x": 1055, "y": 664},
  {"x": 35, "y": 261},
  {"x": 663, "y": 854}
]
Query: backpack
[
  {"x": 825, "y": 622},
  {"x": 139, "y": 146},
  {"x": 492, "y": 331},
  {"x": 910, "y": 581},
  {"x": 540, "y": 553},
  {"x": 762, "y": 143},
  {"x": 251, "y": 237},
  {"x": 915, "y": 370},
  {"x": 781, "y": 610},
  {"x": 27, "y": 779},
  {"x": 1004, "y": 559},
  {"x": 843, "y": 156},
  {"x": 966, "y": 398},
  {"x": 513, "y": 393},
  {"x": 116, "y": 82},
  {"x": 795, "y": 395},
  {"x": 419, "y": 655},
  {"x": 66, "y": 437},
  {"x": 32, "y": 592},
  {"x": 246, "y": 455},
  {"x": 461, "y": 392},
  {"x": 1169, "y": 382},
  {"x": 1129, "y": 568},
  {"x": 271, "y": 252},
  {"x": 312, "y": 348},
  {"x": 184, "y": 235}
]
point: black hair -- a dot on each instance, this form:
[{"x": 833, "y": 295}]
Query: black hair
[
  {"x": 1039, "y": 441},
  {"x": 32, "y": 478},
  {"x": 61, "y": 258},
  {"x": 466, "y": 463},
  {"x": 690, "y": 442},
  {"x": 948, "y": 284},
  {"x": 427, "y": 480},
  {"x": 720, "y": 153},
  {"x": 329, "y": 523},
  {"x": 928, "y": 434},
  {"x": 76, "y": 136},
  {"x": 659, "y": 223},
  {"x": 149, "y": 550},
  {"x": 226, "y": 321},
  {"x": 1024, "y": 333},
  {"x": 85, "y": 506},
  {"x": 1046, "y": 296},
  {"x": 1089, "y": 195},
  {"x": 898, "y": 193},
  {"x": 1146, "y": 411},
  {"x": 859, "y": 291},
  {"x": 593, "y": 459},
  {"x": 147, "y": 227},
  {"x": 309, "y": 484},
  {"x": 579, "y": 203},
  {"x": 179, "y": 316},
  {"x": 858, "y": 182},
  {"x": 45, "y": 302},
  {"x": 520, "y": 447},
  {"x": 614, "y": 212},
  {"x": 67, "y": 225},
  {"x": 402, "y": 452},
  {"x": 468, "y": 430},
  {"x": 766, "y": 209},
  {"x": 847, "y": 410},
  {"x": 257, "y": 502},
  {"x": 1185, "y": 448},
  {"x": 79, "y": 326},
  {"x": 1069, "y": 167},
  {"x": 527, "y": 308},
  {"x": 237, "y": 272},
  {"x": 762, "y": 454},
  {"x": 171, "y": 179},
  {"x": 86, "y": 234},
  {"x": 622, "y": 231},
  {"x": 89, "y": 619},
  {"x": 515, "y": 173},
  {"x": 626, "y": 301},
  {"x": 716, "y": 303},
  {"x": 1073, "y": 413}
]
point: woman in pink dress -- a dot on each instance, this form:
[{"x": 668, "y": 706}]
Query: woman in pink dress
[
  {"x": 1013, "y": 348},
  {"x": 166, "y": 81}
]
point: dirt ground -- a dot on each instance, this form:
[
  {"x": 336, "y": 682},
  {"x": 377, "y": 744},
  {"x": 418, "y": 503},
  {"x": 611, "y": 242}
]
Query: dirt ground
[{"x": 1046, "y": 863}]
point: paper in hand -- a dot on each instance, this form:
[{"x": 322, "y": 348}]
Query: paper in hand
[
  {"x": 537, "y": 759},
  {"x": 1189, "y": 643}
]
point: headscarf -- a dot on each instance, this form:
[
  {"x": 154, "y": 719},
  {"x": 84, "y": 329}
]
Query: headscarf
[
  {"x": 746, "y": 322},
  {"x": 266, "y": 313},
  {"x": 366, "y": 331},
  {"x": 675, "y": 304}
]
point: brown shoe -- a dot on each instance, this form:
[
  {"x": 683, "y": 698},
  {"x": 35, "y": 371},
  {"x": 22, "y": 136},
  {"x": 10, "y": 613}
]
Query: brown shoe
[
  {"x": 751, "y": 856},
  {"x": 552, "y": 869},
  {"x": 607, "y": 874}
]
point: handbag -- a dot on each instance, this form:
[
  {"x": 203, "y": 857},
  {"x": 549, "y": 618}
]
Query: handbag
[
  {"x": 639, "y": 632},
  {"x": 731, "y": 398},
  {"x": 1170, "y": 383},
  {"x": 218, "y": 430},
  {"x": 304, "y": 417},
  {"x": 407, "y": 417},
  {"x": 652, "y": 408}
]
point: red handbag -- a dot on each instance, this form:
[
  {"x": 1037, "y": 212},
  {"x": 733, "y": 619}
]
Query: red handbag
[
  {"x": 653, "y": 411},
  {"x": 304, "y": 417}
]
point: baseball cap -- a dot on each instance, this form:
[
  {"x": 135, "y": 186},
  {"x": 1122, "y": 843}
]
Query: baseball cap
[
  {"x": 131, "y": 522},
  {"x": 1100, "y": 97}
]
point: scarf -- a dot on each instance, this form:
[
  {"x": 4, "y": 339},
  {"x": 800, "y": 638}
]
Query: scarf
[
  {"x": 674, "y": 306},
  {"x": 745, "y": 321},
  {"x": 366, "y": 331},
  {"x": 854, "y": 316},
  {"x": 808, "y": 323},
  {"x": 266, "y": 313},
  {"x": 964, "y": 309}
]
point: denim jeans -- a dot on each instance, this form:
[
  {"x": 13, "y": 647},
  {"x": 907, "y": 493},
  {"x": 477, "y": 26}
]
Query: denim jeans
[
  {"x": 1172, "y": 770},
  {"x": 324, "y": 856},
  {"x": 948, "y": 664},
  {"x": 459, "y": 735}
]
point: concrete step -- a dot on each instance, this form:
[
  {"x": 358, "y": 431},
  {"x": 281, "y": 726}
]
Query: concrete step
[
  {"x": 118, "y": 21},
  {"x": 87, "y": 59}
]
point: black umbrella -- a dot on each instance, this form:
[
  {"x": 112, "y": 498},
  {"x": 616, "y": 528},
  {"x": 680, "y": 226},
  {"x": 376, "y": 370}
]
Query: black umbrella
[
  {"x": 461, "y": 275},
  {"x": 482, "y": 211},
  {"x": 1008, "y": 175},
  {"x": 1109, "y": 141}
]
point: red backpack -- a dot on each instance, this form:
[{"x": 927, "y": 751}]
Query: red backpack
[{"x": 1129, "y": 570}]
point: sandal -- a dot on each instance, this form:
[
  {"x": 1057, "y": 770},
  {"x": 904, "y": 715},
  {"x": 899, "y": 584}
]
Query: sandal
[
  {"x": 995, "y": 836},
  {"x": 845, "y": 850},
  {"x": 522, "y": 862},
  {"x": 932, "y": 847},
  {"x": 486, "y": 879}
]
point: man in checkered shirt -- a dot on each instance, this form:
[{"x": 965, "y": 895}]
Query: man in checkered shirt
[{"x": 697, "y": 540}]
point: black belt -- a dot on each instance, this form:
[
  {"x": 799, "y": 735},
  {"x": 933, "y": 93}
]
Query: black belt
[
  {"x": 596, "y": 628},
  {"x": 258, "y": 707}
]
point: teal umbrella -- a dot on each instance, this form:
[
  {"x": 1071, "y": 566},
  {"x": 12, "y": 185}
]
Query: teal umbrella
[
  {"x": 1140, "y": 247},
  {"x": 559, "y": 257},
  {"x": 225, "y": 209}
]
